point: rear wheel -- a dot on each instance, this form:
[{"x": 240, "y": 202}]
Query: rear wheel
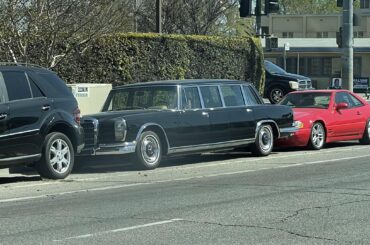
[
  {"x": 57, "y": 157},
  {"x": 264, "y": 141},
  {"x": 149, "y": 150},
  {"x": 317, "y": 136},
  {"x": 276, "y": 94},
  {"x": 365, "y": 140}
]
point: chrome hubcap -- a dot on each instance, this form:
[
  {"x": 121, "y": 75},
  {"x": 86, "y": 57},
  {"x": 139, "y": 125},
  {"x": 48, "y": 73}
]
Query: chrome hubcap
[
  {"x": 265, "y": 139},
  {"x": 60, "y": 156},
  {"x": 150, "y": 149},
  {"x": 318, "y": 135},
  {"x": 368, "y": 129}
]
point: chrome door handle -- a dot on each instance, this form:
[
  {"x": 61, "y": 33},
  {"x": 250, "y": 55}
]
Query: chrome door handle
[
  {"x": 45, "y": 107},
  {"x": 3, "y": 116},
  {"x": 205, "y": 114},
  {"x": 248, "y": 110}
]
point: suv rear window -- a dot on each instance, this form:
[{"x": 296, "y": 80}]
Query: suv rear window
[{"x": 53, "y": 86}]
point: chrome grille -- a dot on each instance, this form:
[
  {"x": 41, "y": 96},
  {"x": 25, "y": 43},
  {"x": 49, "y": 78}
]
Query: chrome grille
[
  {"x": 90, "y": 127},
  {"x": 305, "y": 84}
]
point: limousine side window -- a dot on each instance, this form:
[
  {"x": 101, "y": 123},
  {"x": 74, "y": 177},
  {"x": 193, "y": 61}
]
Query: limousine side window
[
  {"x": 250, "y": 96},
  {"x": 211, "y": 96},
  {"x": 190, "y": 98},
  {"x": 232, "y": 95}
]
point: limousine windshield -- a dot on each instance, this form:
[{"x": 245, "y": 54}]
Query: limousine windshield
[{"x": 154, "y": 97}]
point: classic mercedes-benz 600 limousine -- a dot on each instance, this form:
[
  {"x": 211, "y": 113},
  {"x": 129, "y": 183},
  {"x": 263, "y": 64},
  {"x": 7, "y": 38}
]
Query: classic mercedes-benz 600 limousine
[{"x": 160, "y": 118}]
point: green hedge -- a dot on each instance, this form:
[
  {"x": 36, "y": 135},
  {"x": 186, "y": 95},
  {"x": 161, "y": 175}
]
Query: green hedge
[{"x": 129, "y": 58}]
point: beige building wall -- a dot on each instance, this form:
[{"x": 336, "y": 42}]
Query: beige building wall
[{"x": 310, "y": 26}]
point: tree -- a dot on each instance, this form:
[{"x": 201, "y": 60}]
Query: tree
[
  {"x": 55, "y": 28},
  {"x": 200, "y": 17}
]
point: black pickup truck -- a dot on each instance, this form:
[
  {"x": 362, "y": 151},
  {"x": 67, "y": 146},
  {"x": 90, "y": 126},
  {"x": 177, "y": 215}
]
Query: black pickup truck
[{"x": 279, "y": 82}]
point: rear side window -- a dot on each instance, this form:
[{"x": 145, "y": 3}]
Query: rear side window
[
  {"x": 211, "y": 96},
  {"x": 52, "y": 85},
  {"x": 232, "y": 95},
  {"x": 251, "y": 96},
  {"x": 17, "y": 85},
  {"x": 36, "y": 92},
  {"x": 190, "y": 98}
]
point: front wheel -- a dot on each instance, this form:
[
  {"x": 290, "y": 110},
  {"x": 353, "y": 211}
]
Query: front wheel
[
  {"x": 276, "y": 94},
  {"x": 317, "y": 136},
  {"x": 365, "y": 140},
  {"x": 149, "y": 150},
  {"x": 57, "y": 157},
  {"x": 264, "y": 141}
]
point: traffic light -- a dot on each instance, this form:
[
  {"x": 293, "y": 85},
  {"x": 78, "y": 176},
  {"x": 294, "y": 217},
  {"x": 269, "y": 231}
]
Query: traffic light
[
  {"x": 245, "y": 8},
  {"x": 271, "y": 6}
]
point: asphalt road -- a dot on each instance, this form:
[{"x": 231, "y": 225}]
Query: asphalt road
[{"x": 290, "y": 197}]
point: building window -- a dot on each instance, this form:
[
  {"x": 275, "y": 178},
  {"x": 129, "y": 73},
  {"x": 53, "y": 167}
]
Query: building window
[
  {"x": 365, "y": 4},
  {"x": 358, "y": 34},
  {"x": 357, "y": 66},
  {"x": 323, "y": 34},
  {"x": 287, "y": 34},
  {"x": 319, "y": 66}
]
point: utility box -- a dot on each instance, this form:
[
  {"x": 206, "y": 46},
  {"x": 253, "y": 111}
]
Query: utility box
[{"x": 90, "y": 96}]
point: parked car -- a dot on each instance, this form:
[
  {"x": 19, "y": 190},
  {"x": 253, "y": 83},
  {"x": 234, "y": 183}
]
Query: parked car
[
  {"x": 279, "y": 82},
  {"x": 177, "y": 117},
  {"x": 324, "y": 116},
  {"x": 39, "y": 121}
]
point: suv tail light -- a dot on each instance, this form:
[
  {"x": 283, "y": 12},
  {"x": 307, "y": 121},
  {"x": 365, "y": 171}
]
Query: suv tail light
[{"x": 77, "y": 115}]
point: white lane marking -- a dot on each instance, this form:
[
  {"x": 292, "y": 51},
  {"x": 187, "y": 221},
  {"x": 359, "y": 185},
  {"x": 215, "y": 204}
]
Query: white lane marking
[
  {"x": 118, "y": 230},
  {"x": 176, "y": 168},
  {"x": 16, "y": 199}
]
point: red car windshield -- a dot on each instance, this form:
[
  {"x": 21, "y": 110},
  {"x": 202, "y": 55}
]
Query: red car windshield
[{"x": 307, "y": 100}]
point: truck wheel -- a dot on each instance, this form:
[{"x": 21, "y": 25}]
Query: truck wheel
[
  {"x": 276, "y": 94},
  {"x": 149, "y": 150},
  {"x": 57, "y": 157},
  {"x": 317, "y": 136},
  {"x": 365, "y": 140},
  {"x": 264, "y": 141}
]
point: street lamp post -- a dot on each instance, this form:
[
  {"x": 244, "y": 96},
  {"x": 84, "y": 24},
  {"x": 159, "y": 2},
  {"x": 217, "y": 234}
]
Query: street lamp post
[
  {"x": 159, "y": 16},
  {"x": 347, "y": 49}
]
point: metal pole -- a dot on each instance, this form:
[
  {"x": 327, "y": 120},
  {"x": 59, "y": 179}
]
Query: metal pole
[
  {"x": 159, "y": 16},
  {"x": 347, "y": 50},
  {"x": 258, "y": 17}
]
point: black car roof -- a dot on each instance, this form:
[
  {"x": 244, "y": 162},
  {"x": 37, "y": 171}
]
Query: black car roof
[
  {"x": 182, "y": 82},
  {"x": 23, "y": 67}
]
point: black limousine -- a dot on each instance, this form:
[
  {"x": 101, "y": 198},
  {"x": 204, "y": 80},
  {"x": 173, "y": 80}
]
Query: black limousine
[{"x": 160, "y": 118}]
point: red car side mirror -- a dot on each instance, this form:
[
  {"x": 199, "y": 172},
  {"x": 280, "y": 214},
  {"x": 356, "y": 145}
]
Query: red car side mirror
[{"x": 342, "y": 106}]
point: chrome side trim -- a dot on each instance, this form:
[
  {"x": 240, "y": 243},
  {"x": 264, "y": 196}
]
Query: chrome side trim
[
  {"x": 205, "y": 147},
  {"x": 259, "y": 124},
  {"x": 18, "y": 133},
  {"x": 19, "y": 158}
]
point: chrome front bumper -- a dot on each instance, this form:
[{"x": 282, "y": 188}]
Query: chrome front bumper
[
  {"x": 287, "y": 132},
  {"x": 115, "y": 149}
]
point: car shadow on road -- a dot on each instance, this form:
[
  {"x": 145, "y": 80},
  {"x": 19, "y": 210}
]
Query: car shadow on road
[{"x": 123, "y": 163}]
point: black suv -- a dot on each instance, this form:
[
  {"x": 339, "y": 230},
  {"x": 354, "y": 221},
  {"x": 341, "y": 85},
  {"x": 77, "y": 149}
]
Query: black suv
[
  {"x": 39, "y": 121},
  {"x": 279, "y": 82}
]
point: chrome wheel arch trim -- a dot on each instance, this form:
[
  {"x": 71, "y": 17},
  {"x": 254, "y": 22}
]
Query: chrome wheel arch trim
[
  {"x": 146, "y": 125},
  {"x": 259, "y": 124}
]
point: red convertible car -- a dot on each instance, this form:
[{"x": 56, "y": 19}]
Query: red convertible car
[{"x": 324, "y": 116}]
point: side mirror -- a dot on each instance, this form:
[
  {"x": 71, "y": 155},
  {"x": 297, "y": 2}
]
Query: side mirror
[{"x": 342, "y": 106}]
